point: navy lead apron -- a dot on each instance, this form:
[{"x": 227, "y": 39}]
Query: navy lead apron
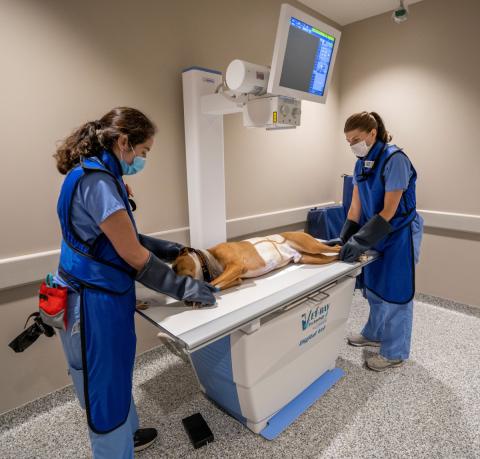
[
  {"x": 107, "y": 294},
  {"x": 391, "y": 277}
]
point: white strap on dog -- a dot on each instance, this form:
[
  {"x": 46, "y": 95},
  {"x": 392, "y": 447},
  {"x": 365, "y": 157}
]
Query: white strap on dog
[{"x": 275, "y": 251}]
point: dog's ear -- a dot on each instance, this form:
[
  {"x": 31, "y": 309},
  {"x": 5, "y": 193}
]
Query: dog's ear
[
  {"x": 184, "y": 265},
  {"x": 178, "y": 260},
  {"x": 183, "y": 252}
]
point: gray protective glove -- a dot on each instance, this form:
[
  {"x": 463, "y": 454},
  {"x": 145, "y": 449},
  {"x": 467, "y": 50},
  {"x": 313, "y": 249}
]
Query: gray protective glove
[
  {"x": 370, "y": 234},
  {"x": 160, "y": 277},
  {"x": 349, "y": 229},
  {"x": 165, "y": 250}
]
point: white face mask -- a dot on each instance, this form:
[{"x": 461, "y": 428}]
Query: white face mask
[{"x": 360, "y": 149}]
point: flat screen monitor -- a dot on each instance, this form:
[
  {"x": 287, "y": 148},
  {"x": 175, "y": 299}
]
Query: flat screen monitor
[{"x": 303, "y": 57}]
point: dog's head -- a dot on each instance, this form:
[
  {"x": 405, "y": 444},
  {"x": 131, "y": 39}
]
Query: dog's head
[{"x": 187, "y": 264}]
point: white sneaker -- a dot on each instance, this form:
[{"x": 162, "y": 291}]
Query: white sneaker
[
  {"x": 357, "y": 339},
  {"x": 380, "y": 363}
]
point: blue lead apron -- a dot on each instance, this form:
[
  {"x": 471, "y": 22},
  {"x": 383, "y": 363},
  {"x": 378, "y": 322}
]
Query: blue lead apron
[
  {"x": 107, "y": 304},
  {"x": 392, "y": 276}
]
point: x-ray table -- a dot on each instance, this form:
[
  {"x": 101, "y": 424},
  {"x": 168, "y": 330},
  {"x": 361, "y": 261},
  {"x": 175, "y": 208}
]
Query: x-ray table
[{"x": 267, "y": 350}]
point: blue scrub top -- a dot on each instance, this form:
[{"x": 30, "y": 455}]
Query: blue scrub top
[
  {"x": 397, "y": 173},
  {"x": 96, "y": 198}
]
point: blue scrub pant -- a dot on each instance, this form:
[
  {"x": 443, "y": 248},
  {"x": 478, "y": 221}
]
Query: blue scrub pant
[
  {"x": 117, "y": 444},
  {"x": 391, "y": 323}
]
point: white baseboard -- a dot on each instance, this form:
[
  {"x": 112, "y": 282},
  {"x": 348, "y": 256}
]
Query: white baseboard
[
  {"x": 260, "y": 222},
  {"x": 180, "y": 235},
  {"x": 451, "y": 221},
  {"x": 24, "y": 269},
  {"x": 27, "y": 268}
]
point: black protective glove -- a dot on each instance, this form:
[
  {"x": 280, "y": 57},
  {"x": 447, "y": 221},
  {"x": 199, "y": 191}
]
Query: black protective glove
[
  {"x": 160, "y": 277},
  {"x": 348, "y": 230},
  {"x": 333, "y": 242},
  {"x": 165, "y": 250},
  {"x": 372, "y": 232}
]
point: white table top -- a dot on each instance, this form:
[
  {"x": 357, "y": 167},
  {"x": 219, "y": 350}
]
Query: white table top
[{"x": 239, "y": 305}]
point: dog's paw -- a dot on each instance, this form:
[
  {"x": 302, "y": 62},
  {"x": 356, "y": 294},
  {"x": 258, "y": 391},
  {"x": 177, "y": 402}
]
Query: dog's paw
[
  {"x": 191, "y": 304},
  {"x": 195, "y": 305},
  {"x": 142, "y": 305}
]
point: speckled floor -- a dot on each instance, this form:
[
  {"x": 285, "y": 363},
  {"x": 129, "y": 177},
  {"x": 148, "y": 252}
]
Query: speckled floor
[{"x": 428, "y": 408}]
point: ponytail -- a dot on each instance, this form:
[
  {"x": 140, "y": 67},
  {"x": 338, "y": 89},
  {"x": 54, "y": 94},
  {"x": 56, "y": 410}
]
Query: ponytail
[
  {"x": 366, "y": 121},
  {"x": 82, "y": 142},
  {"x": 95, "y": 136},
  {"x": 382, "y": 133}
]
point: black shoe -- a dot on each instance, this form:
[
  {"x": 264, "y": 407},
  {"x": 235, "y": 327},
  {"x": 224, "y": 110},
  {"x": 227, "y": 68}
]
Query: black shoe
[{"x": 143, "y": 438}]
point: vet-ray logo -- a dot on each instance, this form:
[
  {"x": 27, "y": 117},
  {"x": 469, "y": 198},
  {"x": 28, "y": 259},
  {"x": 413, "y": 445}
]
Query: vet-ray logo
[{"x": 314, "y": 316}]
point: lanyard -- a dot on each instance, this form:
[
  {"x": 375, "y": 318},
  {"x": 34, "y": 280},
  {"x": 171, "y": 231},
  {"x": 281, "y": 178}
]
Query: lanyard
[{"x": 369, "y": 166}]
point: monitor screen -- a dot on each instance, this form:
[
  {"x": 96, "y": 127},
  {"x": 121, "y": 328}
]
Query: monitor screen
[
  {"x": 303, "y": 56},
  {"x": 307, "y": 58}
]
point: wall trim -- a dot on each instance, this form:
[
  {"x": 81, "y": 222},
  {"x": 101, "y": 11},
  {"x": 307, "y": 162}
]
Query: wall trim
[
  {"x": 259, "y": 222},
  {"x": 469, "y": 223},
  {"x": 25, "y": 269}
]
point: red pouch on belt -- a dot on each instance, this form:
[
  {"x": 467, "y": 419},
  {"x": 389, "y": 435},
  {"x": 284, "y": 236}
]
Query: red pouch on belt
[{"x": 53, "y": 305}]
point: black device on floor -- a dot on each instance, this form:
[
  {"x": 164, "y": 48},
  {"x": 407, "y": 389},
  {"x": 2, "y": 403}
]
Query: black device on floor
[{"x": 198, "y": 430}]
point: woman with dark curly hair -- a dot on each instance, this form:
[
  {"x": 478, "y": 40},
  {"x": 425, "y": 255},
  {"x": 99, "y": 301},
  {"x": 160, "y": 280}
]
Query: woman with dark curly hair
[{"x": 102, "y": 255}]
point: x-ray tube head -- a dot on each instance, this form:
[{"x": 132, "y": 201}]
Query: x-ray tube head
[{"x": 247, "y": 78}]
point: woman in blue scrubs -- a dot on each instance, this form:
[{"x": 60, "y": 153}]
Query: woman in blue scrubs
[
  {"x": 102, "y": 255},
  {"x": 383, "y": 217}
]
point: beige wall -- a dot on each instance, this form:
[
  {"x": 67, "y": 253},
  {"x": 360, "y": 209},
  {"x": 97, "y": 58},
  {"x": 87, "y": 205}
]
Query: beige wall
[
  {"x": 449, "y": 266},
  {"x": 64, "y": 63},
  {"x": 423, "y": 77},
  {"x": 287, "y": 172}
]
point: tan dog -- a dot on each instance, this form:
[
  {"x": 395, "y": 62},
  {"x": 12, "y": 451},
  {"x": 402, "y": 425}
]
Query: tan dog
[{"x": 226, "y": 264}]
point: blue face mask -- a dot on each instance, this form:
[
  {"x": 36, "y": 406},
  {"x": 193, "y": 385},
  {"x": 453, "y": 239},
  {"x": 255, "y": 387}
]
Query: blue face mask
[
  {"x": 137, "y": 165},
  {"x": 130, "y": 169}
]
